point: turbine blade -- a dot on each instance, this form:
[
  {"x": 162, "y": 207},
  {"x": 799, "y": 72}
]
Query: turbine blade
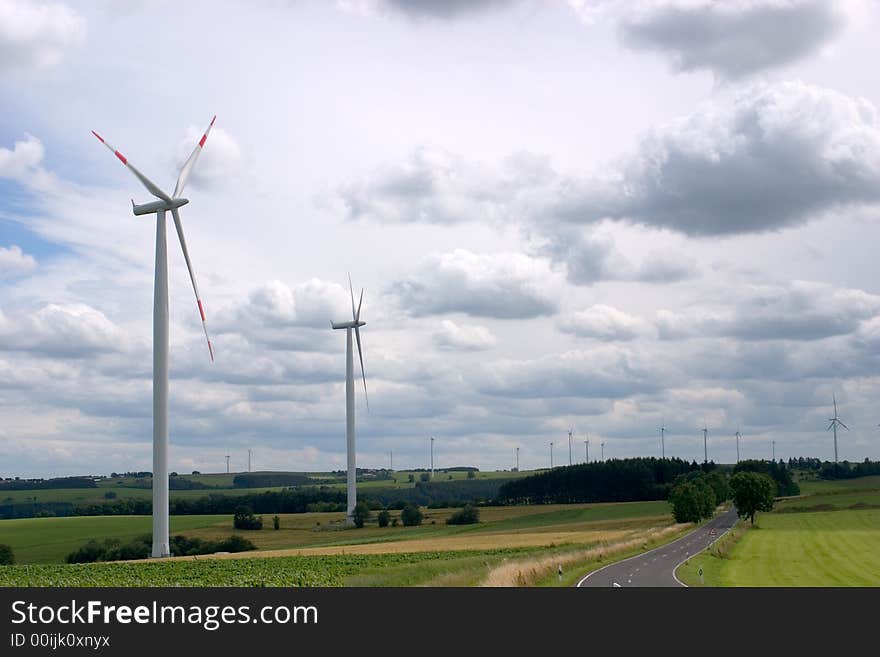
[
  {"x": 351, "y": 289},
  {"x": 192, "y": 277},
  {"x": 843, "y": 425},
  {"x": 152, "y": 187},
  {"x": 830, "y": 426},
  {"x": 357, "y": 316},
  {"x": 191, "y": 162},
  {"x": 357, "y": 335}
]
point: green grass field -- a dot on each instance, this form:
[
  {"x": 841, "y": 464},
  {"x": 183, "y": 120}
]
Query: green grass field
[
  {"x": 325, "y": 554},
  {"x": 831, "y": 538},
  {"x": 50, "y": 540},
  {"x": 817, "y": 486}
]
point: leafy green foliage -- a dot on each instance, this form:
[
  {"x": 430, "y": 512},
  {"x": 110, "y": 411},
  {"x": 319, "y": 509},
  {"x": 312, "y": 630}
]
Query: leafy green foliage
[
  {"x": 777, "y": 471},
  {"x": 467, "y": 515},
  {"x": 752, "y": 492},
  {"x": 383, "y": 518},
  {"x": 411, "y": 515},
  {"x": 360, "y": 514},
  {"x": 617, "y": 480},
  {"x": 7, "y": 558},
  {"x": 245, "y": 519}
]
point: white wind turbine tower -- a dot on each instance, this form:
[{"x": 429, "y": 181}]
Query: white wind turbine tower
[
  {"x": 165, "y": 203},
  {"x": 355, "y": 324},
  {"x": 738, "y": 436},
  {"x": 705, "y": 441},
  {"x": 663, "y": 440},
  {"x": 835, "y": 421}
]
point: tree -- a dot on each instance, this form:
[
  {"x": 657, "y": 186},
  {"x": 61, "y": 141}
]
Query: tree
[
  {"x": 467, "y": 515},
  {"x": 7, "y": 558},
  {"x": 411, "y": 515},
  {"x": 471, "y": 474},
  {"x": 360, "y": 514},
  {"x": 276, "y": 522},
  {"x": 383, "y": 518},
  {"x": 245, "y": 519},
  {"x": 752, "y": 492},
  {"x": 692, "y": 498}
]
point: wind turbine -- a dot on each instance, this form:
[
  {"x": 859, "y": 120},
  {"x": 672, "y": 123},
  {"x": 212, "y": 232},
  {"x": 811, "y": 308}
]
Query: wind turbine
[
  {"x": 738, "y": 436},
  {"x": 663, "y": 440},
  {"x": 551, "y": 455},
  {"x": 355, "y": 324},
  {"x": 835, "y": 421},
  {"x": 705, "y": 448},
  {"x": 602, "y": 445},
  {"x": 587, "y": 450},
  {"x": 569, "y": 446},
  {"x": 161, "y": 547}
]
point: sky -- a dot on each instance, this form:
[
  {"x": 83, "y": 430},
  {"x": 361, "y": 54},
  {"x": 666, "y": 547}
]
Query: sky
[{"x": 603, "y": 217}]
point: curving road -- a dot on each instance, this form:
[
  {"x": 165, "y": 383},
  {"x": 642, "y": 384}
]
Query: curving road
[{"x": 656, "y": 567}]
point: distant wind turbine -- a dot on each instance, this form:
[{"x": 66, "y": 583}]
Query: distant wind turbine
[
  {"x": 355, "y": 323},
  {"x": 705, "y": 443},
  {"x": 663, "y": 440},
  {"x": 569, "y": 446},
  {"x": 161, "y": 545},
  {"x": 738, "y": 436},
  {"x": 835, "y": 422}
]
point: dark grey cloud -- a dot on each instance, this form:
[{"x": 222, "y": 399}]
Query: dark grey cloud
[
  {"x": 503, "y": 286},
  {"x": 734, "y": 38},
  {"x": 798, "y": 311},
  {"x": 775, "y": 156},
  {"x": 443, "y": 9}
]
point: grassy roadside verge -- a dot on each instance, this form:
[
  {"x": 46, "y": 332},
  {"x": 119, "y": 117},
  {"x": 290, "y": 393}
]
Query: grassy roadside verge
[{"x": 712, "y": 559}]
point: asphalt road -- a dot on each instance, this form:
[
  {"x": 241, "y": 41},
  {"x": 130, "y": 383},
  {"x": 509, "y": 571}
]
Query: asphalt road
[{"x": 656, "y": 567}]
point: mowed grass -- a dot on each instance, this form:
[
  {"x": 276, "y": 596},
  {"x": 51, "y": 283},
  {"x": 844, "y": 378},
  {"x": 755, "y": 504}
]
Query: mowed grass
[
  {"x": 50, "y": 540},
  {"x": 827, "y": 539},
  {"x": 818, "y": 486},
  {"x": 46, "y": 540}
]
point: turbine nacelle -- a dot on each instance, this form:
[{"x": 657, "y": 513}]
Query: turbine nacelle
[
  {"x": 157, "y": 206},
  {"x": 347, "y": 325}
]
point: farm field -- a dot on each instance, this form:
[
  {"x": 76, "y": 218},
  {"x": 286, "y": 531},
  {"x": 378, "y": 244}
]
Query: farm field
[
  {"x": 133, "y": 488},
  {"x": 459, "y": 555},
  {"x": 838, "y": 544},
  {"x": 816, "y": 486},
  {"x": 49, "y": 540}
]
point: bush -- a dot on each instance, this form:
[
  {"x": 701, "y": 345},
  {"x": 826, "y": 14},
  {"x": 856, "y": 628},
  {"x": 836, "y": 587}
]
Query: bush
[
  {"x": 394, "y": 522},
  {"x": 467, "y": 515},
  {"x": 471, "y": 474},
  {"x": 276, "y": 522},
  {"x": 360, "y": 514},
  {"x": 411, "y": 478},
  {"x": 110, "y": 495},
  {"x": 411, "y": 515},
  {"x": 7, "y": 557},
  {"x": 425, "y": 476},
  {"x": 245, "y": 519},
  {"x": 383, "y": 518}
]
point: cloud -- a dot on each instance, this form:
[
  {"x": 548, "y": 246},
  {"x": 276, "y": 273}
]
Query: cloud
[
  {"x": 34, "y": 35},
  {"x": 431, "y": 9},
  {"x": 607, "y": 372},
  {"x": 604, "y": 323},
  {"x": 453, "y": 337},
  {"x": 798, "y": 311},
  {"x": 220, "y": 162},
  {"x": 279, "y": 316},
  {"x": 13, "y": 262},
  {"x": 22, "y": 160},
  {"x": 776, "y": 156},
  {"x": 734, "y": 38},
  {"x": 62, "y": 330},
  {"x": 503, "y": 286}
]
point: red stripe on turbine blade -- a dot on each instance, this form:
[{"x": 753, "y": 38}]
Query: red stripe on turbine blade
[
  {"x": 121, "y": 157},
  {"x": 203, "y": 140},
  {"x": 98, "y": 136},
  {"x": 201, "y": 310}
]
